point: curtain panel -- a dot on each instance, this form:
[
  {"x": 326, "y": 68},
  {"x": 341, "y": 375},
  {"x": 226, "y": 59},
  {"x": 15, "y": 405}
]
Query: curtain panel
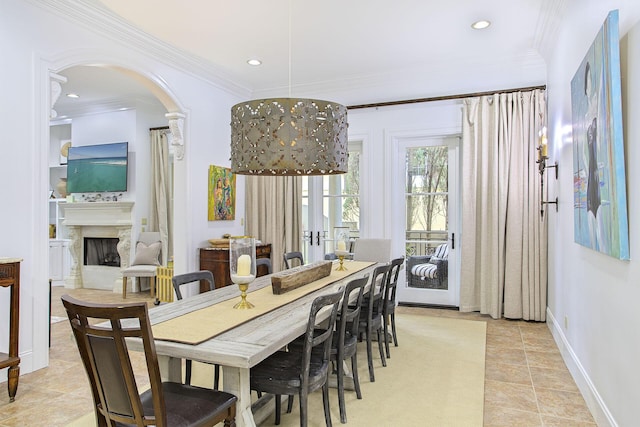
[
  {"x": 504, "y": 237},
  {"x": 160, "y": 218},
  {"x": 273, "y": 213}
]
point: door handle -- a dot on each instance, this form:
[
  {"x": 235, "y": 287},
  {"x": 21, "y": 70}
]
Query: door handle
[
  {"x": 318, "y": 239},
  {"x": 308, "y": 235},
  {"x": 453, "y": 240}
]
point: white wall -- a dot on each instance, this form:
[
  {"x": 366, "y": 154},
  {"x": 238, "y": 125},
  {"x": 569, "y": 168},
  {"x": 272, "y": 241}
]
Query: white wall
[
  {"x": 379, "y": 129},
  {"x": 596, "y": 294},
  {"x": 32, "y": 43}
]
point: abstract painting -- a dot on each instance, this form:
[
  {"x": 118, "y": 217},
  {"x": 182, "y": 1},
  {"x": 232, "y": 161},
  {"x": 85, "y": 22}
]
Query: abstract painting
[
  {"x": 222, "y": 194},
  {"x": 600, "y": 196}
]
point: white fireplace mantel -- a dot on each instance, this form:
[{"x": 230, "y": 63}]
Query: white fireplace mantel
[
  {"x": 97, "y": 219},
  {"x": 98, "y": 213}
]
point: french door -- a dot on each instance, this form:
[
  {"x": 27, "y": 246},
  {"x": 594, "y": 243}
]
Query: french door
[
  {"x": 426, "y": 170},
  {"x": 330, "y": 202}
]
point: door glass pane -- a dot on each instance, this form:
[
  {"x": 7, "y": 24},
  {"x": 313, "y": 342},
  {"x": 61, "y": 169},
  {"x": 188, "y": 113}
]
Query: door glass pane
[
  {"x": 336, "y": 203},
  {"x": 426, "y": 204},
  {"x": 341, "y": 200}
]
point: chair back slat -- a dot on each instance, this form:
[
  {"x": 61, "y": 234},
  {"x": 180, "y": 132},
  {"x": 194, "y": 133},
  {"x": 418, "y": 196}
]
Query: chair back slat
[
  {"x": 195, "y": 276},
  {"x": 350, "y": 310},
  {"x": 266, "y": 262},
  {"x": 392, "y": 281},
  {"x": 320, "y": 332},
  {"x": 377, "y": 288},
  {"x": 288, "y": 256}
]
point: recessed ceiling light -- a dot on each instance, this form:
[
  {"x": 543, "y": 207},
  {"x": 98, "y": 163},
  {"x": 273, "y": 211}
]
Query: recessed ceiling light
[
  {"x": 480, "y": 25},
  {"x": 73, "y": 95},
  {"x": 254, "y": 62}
]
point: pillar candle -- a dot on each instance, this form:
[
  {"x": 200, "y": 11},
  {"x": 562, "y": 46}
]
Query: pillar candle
[
  {"x": 244, "y": 265},
  {"x": 342, "y": 246},
  {"x": 543, "y": 149}
]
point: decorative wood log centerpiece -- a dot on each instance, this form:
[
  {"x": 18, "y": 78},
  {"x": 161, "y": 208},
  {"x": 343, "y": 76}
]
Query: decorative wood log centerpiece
[{"x": 291, "y": 279}]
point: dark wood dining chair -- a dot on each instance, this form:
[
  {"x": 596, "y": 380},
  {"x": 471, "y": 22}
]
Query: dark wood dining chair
[
  {"x": 105, "y": 355},
  {"x": 389, "y": 305},
  {"x": 371, "y": 318},
  {"x": 302, "y": 372},
  {"x": 289, "y": 256},
  {"x": 183, "y": 279}
]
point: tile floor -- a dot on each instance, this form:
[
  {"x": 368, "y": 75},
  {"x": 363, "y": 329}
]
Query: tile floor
[{"x": 526, "y": 380}]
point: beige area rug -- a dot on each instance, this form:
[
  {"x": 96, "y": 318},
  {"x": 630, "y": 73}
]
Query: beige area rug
[{"x": 434, "y": 378}]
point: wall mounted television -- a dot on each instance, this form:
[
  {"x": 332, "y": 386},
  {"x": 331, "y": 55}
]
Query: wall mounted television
[{"x": 97, "y": 168}]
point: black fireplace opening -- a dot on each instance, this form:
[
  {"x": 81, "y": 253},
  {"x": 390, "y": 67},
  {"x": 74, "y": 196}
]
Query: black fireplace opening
[{"x": 101, "y": 251}]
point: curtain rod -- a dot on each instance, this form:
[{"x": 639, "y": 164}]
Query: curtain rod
[
  {"x": 442, "y": 98},
  {"x": 160, "y": 128}
]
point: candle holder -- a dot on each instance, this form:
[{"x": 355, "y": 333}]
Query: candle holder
[
  {"x": 543, "y": 156},
  {"x": 242, "y": 266},
  {"x": 341, "y": 240}
]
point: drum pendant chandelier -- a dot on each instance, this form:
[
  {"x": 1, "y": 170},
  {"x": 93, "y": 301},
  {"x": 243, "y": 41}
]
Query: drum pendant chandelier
[{"x": 289, "y": 136}]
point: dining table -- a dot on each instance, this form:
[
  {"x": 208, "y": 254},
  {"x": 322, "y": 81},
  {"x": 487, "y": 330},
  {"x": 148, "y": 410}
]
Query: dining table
[{"x": 251, "y": 339}]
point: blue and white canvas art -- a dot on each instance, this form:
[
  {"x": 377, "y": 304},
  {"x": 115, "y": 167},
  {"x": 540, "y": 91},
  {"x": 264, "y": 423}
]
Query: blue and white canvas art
[{"x": 600, "y": 196}]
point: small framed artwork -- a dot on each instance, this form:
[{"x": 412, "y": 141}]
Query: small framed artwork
[
  {"x": 64, "y": 150},
  {"x": 222, "y": 194}
]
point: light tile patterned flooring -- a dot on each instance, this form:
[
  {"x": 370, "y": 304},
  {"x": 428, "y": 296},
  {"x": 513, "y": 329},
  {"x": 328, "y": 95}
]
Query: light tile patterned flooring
[{"x": 526, "y": 380}]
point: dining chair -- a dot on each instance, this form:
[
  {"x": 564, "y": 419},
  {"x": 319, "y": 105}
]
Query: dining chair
[
  {"x": 146, "y": 261},
  {"x": 183, "y": 279},
  {"x": 389, "y": 304},
  {"x": 266, "y": 262},
  {"x": 344, "y": 343},
  {"x": 378, "y": 250},
  {"x": 105, "y": 354},
  {"x": 301, "y": 373},
  {"x": 371, "y": 321},
  {"x": 288, "y": 256}
]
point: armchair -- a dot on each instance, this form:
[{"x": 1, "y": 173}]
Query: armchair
[{"x": 429, "y": 271}]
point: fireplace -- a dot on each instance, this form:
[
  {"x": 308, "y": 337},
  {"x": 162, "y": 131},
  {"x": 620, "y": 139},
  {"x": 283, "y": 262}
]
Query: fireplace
[
  {"x": 100, "y": 246},
  {"x": 101, "y": 251}
]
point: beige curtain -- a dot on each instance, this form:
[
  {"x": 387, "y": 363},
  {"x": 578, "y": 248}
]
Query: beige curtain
[
  {"x": 504, "y": 237},
  {"x": 160, "y": 218},
  {"x": 274, "y": 213}
]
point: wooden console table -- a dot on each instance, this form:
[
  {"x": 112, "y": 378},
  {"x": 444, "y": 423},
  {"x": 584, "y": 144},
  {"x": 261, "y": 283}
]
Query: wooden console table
[
  {"x": 216, "y": 260},
  {"x": 10, "y": 277}
]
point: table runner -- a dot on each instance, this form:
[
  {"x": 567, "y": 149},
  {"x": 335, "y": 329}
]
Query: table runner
[{"x": 201, "y": 325}]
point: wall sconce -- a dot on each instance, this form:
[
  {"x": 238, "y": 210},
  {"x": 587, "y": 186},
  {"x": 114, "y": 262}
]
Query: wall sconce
[{"x": 542, "y": 166}]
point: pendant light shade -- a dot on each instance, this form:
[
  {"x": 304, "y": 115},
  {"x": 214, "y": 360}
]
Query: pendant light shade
[{"x": 289, "y": 136}]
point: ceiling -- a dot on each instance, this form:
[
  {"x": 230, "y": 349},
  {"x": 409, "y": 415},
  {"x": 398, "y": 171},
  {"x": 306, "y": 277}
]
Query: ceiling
[{"x": 358, "y": 50}]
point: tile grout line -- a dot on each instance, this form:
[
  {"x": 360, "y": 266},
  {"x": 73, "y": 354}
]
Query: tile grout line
[{"x": 526, "y": 357}]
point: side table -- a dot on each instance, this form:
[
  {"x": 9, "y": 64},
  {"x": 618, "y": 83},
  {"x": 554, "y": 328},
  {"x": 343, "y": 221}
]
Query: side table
[{"x": 10, "y": 277}]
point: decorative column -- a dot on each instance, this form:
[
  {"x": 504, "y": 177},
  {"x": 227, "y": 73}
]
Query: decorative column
[
  {"x": 74, "y": 280},
  {"x": 124, "y": 251}
]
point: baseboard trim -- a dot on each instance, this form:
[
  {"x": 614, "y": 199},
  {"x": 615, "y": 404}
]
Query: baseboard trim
[
  {"x": 415, "y": 304},
  {"x": 596, "y": 405}
]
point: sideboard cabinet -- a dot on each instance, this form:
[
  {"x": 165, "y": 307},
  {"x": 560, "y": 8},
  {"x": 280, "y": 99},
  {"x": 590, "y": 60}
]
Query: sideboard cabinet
[{"x": 216, "y": 260}]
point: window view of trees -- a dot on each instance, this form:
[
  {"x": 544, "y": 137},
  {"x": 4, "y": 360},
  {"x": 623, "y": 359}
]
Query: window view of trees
[
  {"x": 426, "y": 197},
  {"x": 351, "y": 204}
]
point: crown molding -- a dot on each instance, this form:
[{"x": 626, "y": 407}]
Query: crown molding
[{"x": 95, "y": 17}]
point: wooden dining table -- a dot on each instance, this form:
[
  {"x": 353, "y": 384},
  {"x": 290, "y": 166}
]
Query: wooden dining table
[{"x": 244, "y": 346}]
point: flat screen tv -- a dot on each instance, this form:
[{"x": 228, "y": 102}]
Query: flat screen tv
[{"x": 97, "y": 168}]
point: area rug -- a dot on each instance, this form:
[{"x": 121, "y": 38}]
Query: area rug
[{"x": 434, "y": 378}]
